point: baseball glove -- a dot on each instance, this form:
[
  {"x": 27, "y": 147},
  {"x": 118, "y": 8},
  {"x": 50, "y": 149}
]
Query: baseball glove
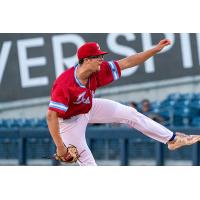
[{"x": 71, "y": 156}]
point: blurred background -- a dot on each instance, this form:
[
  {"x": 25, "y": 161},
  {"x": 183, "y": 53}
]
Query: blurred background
[{"x": 166, "y": 88}]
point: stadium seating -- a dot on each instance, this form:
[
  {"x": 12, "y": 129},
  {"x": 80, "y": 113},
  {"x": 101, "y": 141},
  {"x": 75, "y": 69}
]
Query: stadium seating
[
  {"x": 182, "y": 117},
  {"x": 2, "y": 123},
  {"x": 176, "y": 109},
  {"x": 173, "y": 96},
  {"x": 179, "y": 109},
  {"x": 195, "y": 122},
  {"x": 23, "y": 123}
]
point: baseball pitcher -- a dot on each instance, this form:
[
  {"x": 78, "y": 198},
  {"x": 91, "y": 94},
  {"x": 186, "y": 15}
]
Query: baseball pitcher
[{"x": 73, "y": 106}]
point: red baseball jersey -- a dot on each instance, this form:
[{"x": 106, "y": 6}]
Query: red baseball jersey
[{"x": 69, "y": 97}]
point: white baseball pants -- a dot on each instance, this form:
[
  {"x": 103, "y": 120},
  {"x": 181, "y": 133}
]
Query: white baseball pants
[{"x": 107, "y": 111}]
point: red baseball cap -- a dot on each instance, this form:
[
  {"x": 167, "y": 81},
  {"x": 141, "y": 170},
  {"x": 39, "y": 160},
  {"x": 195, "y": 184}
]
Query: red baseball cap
[{"x": 89, "y": 49}]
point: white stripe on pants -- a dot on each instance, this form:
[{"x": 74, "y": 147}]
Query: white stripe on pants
[{"x": 106, "y": 111}]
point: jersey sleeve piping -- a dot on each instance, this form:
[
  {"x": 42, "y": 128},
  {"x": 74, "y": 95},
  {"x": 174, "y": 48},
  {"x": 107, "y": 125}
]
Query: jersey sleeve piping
[
  {"x": 58, "y": 106},
  {"x": 114, "y": 70}
]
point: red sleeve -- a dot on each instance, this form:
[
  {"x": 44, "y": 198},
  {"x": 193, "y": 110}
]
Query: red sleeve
[
  {"x": 59, "y": 100},
  {"x": 109, "y": 72}
]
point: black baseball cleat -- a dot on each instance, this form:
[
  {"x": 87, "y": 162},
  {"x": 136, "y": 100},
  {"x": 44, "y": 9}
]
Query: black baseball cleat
[{"x": 182, "y": 139}]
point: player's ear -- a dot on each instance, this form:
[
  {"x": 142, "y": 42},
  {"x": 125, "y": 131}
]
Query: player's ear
[{"x": 86, "y": 59}]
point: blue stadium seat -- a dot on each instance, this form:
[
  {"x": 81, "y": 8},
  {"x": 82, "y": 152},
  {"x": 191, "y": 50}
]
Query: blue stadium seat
[
  {"x": 182, "y": 103},
  {"x": 186, "y": 96},
  {"x": 35, "y": 122},
  {"x": 167, "y": 104},
  {"x": 24, "y": 123},
  {"x": 196, "y": 96},
  {"x": 173, "y": 96},
  {"x": 167, "y": 114},
  {"x": 11, "y": 123},
  {"x": 2, "y": 123},
  {"x": 196, "y": 122},
  {"x": 21, "y": 122},
  {"x": 182, "y": 116},
  {"x": 195, "y": 108},
  {"x": 43, "y": 122},
  {"x": 155, "y": 110},
  {"x": 195, "y": 104},
  {"x": 155, "y": 105}
]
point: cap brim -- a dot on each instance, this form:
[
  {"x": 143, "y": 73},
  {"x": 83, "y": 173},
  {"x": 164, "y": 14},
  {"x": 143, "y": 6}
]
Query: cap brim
[{"x": 102, "y": 53}]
